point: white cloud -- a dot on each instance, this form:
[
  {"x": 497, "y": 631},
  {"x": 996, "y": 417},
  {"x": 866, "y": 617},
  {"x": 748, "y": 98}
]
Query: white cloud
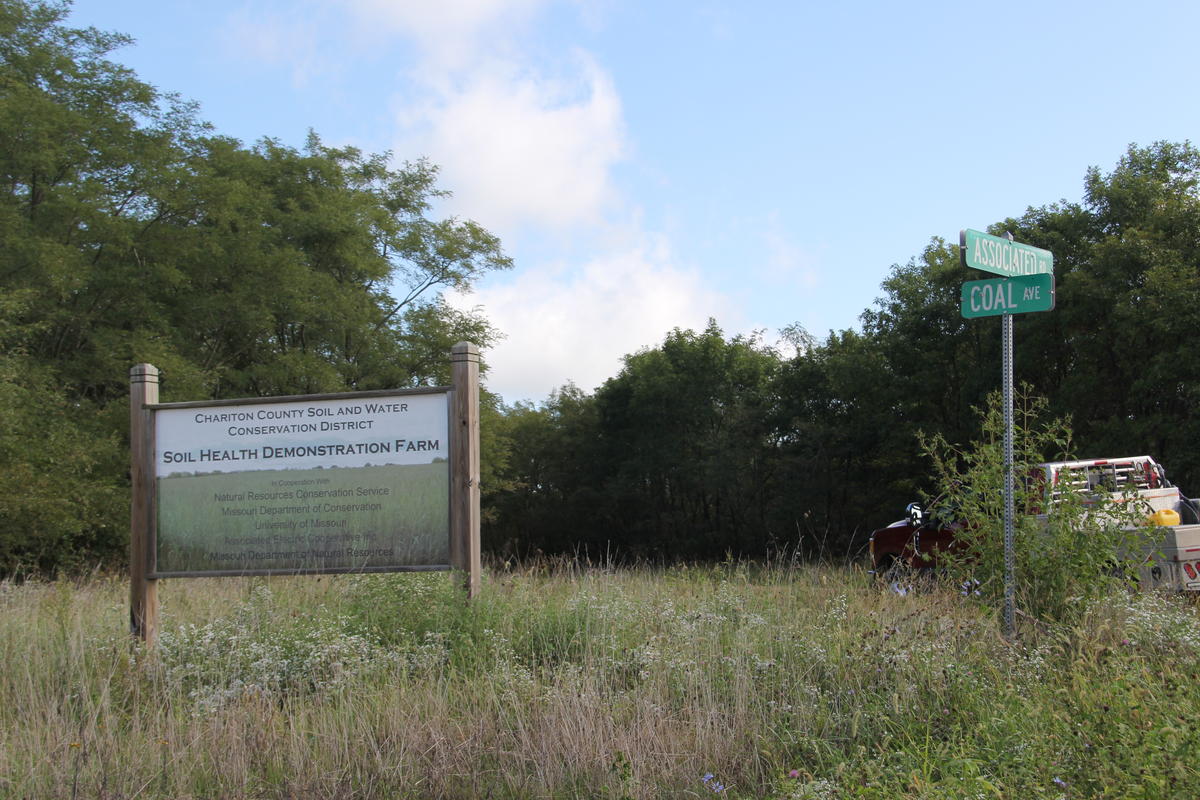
[
  {"x": 449, "y": 33},
  {"x": 517, "y": 148},
  {"x": 521, "y": 140},
  {"x": 528, "y": 147},
  {"x": 575, "y": 324}
]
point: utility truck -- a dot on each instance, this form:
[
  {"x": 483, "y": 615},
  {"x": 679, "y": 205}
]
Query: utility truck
[{"x": 1172, "y": 555}]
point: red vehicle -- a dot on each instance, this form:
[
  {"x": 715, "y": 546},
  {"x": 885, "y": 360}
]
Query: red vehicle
[{"x": 912, "y": 542}]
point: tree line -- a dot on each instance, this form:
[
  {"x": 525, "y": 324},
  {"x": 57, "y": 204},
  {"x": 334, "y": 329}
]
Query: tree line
[
  {"x": 132, "y": 232},
  {"x": 707, "y": 445}
]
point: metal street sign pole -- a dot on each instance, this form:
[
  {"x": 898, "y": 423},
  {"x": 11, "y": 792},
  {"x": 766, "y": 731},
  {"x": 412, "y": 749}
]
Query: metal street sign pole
[
  {"x": 1027, "y": 285},
  {"x": 1006, "y": 334}
]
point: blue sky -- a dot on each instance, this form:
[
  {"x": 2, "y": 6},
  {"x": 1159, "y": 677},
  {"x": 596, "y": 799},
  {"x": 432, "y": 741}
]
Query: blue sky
[{"x": 653, "y": 164}]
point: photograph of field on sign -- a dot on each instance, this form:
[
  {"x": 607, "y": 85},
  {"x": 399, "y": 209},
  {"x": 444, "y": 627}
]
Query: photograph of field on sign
[{"x": 342, "y": 518}]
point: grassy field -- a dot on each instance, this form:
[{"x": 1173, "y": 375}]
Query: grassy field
[{"x": 735, "y": 681}]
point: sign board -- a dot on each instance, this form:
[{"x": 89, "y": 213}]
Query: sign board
[
  {"x": 1001, "y": 257},
  {"x": 324, "y": 483},
  {"x": 376, "y": 481},
  {"x": 1018, "y": 295}
]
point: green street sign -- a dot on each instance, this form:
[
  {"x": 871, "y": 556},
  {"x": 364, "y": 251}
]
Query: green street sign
[
  {"x": 1002, "y": 257},
  {"x": 1018, "y": 295}
]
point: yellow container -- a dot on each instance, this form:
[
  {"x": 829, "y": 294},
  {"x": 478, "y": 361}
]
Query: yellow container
[{"x": 1164, "y": 516}]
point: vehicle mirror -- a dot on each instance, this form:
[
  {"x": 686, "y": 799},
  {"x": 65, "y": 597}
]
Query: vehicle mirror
[{"x": 916, "y": 516}]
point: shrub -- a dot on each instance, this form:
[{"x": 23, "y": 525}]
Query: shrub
[{"x": 1066, "y": 553}]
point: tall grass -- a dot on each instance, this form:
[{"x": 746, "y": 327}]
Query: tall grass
[{"x": 559, "y": 682}]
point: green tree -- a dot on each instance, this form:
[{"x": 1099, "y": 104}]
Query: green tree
[
  {"x": 673, "y": 457},
  {"x": 935, "y": 358},
  {"x": 132, "y": 234},
  {"x": 845, "y": 445},
  {"x": 59, "y": 501},
  {"x": 688, "y": 446},
  {"x": 549, "y": 495},
  {"x": 851, "y": 406},
  {"x": 1115, "y": 353}
]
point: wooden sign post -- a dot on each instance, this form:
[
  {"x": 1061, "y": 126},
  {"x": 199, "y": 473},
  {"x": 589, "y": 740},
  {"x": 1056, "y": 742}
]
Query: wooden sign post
[
  {"x": 464, "y": 465},
  {"x": 143, "y": 590}
]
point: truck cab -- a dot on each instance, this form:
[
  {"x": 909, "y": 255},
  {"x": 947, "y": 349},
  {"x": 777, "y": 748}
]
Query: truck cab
[{"x": 913, "y": 542}]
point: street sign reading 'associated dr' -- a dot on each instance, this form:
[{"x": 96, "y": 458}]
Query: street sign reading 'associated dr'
[
  {"x": 1003, "y": 257},
  {"x": 1017, "y": 295}
]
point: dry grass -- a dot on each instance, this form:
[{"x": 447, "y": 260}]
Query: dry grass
[{"x": 564, "y": 682}]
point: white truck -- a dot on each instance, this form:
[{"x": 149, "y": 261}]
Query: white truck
[{"x": 1174, "y": 562}]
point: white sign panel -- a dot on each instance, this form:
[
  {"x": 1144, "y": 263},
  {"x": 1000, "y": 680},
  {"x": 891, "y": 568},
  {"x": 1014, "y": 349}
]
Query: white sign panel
[
  {"x": 323, "y": 484},
  {"x": 407, "y": 429}
]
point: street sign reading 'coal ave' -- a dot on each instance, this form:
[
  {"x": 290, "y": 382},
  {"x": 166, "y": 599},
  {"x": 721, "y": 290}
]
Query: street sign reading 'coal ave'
[
  {"x": 1001, "y": 256},
  {"x": 1018, "y": 295}
]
